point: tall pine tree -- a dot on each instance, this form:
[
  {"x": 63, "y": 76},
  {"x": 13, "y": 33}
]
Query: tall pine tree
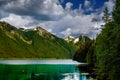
[
  {"x": 106, "y": 16},
  {"x": 116, "y": 13},
  {"x": 107, "y": 48}
]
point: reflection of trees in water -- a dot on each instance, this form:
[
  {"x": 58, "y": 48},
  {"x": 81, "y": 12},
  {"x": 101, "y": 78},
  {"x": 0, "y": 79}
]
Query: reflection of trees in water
[{"x": 43, "y": 76}]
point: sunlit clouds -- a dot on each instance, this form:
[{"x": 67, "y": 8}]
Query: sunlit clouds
[{"x": 51, "y": 15}]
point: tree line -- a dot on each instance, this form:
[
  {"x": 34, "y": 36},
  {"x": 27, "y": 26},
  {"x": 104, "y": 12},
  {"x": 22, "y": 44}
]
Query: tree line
[{"x": 103, "y": 55}]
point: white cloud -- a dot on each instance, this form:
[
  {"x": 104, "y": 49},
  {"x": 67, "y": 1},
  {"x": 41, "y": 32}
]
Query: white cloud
[
  {"x": 87, "y": 3},
  {"x": 80, "y": 24},
  {"x": 69, "y": 5},
  {"x": 17, "y": 20},
  {"x": 110, "y": 5},
  {"x": 62, "y": 21},
  {"x": 66, "y": 32},
  {"x": 88, "y": 6},
  {"x": 51, "y": 7}
]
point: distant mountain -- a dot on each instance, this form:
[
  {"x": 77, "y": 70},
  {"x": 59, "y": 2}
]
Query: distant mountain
[
  {"x": 84, "y": 46},
  {"x": 77, "y": 40},
  {"x": 32, "y": 43},
  {"x": 69, "y": 38}
]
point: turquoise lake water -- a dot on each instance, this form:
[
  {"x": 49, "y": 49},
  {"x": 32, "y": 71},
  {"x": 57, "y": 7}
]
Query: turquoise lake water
[{"x": 40, "y": 70}]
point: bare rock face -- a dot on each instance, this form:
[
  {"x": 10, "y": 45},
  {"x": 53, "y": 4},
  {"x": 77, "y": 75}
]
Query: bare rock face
[
  {"x": 12, "y": 32},
  {"x": 69, "y": 38},
  {"x": 44, "y": 33},
  {"x": 80, "y": 39}
]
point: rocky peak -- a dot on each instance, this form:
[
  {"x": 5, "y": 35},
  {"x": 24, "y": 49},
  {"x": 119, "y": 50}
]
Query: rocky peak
[
  {"x": 69, "y": 38},
  {"x": 44, "y": 33},
  {"x": 41, "y": 31},
  {"x": 80, "y": 39},
  {"x": 76, "y": 40},
  {"x": 6, "y": 26}
]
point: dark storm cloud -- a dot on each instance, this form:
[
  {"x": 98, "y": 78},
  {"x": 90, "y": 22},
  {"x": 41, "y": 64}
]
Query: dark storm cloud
[
  {"x": 31, "y": 8},
  {"x": 3, "y": 14},
  {"x": 4, "y": 2}
]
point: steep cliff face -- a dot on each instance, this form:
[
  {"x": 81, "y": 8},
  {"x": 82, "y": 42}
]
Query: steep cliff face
[{"x": 32, "y": 43}]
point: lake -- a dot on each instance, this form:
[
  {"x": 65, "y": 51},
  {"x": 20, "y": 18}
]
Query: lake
[{"x": 40, "y": 70}]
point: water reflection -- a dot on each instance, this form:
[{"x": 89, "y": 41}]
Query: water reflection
[
  {"x": 66, "y": 76},
  {"x": 71, "y": 76},
  {"x": 37, "y": 71}
]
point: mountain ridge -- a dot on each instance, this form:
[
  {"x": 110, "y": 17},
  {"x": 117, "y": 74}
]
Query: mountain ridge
[
  {"x": 37, "y": 43},
  {"x": 75, "y": 40}
]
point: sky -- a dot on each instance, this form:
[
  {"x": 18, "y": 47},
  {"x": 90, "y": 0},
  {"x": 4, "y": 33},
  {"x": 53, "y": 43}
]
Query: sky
[{"x": 60, "y": 17}]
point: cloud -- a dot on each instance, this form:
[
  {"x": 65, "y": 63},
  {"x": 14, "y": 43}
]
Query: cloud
[
  {"x": 50, "y": 15},
  {"x": 3, "y": 14},
  {"x": 66, "y": 32},
  {"x": 87, "y": 3},
  {"x": 61, "y": 1},
  {"x": 23, "y": 7},
  {"x": 88, "y": 6},
  {"x": 110, "y": 5},
  {"x": 68, "y": 6},
  {"x": 39, "y": 9},
  {"x": 18, "y": 21},
  {"x": 73, "y": 25}
]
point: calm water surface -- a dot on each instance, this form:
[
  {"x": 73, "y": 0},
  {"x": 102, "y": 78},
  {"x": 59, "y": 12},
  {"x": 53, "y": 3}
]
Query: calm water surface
[{"x": 40, "y": 70}]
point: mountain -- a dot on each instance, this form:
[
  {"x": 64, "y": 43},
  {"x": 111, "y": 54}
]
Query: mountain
[
  {"x": 32, "y": 43},
  {"x": 69, "y": 38},
  {"x": 77, "y": 41},
  {"x": 84, "y": 46}
]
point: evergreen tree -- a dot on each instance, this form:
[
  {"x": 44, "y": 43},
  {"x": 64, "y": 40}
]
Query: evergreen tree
[
  {"x": 116, "y": 13},
  {"x": 107, "y": 48},
  {"x": 106, "y": 16}
]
